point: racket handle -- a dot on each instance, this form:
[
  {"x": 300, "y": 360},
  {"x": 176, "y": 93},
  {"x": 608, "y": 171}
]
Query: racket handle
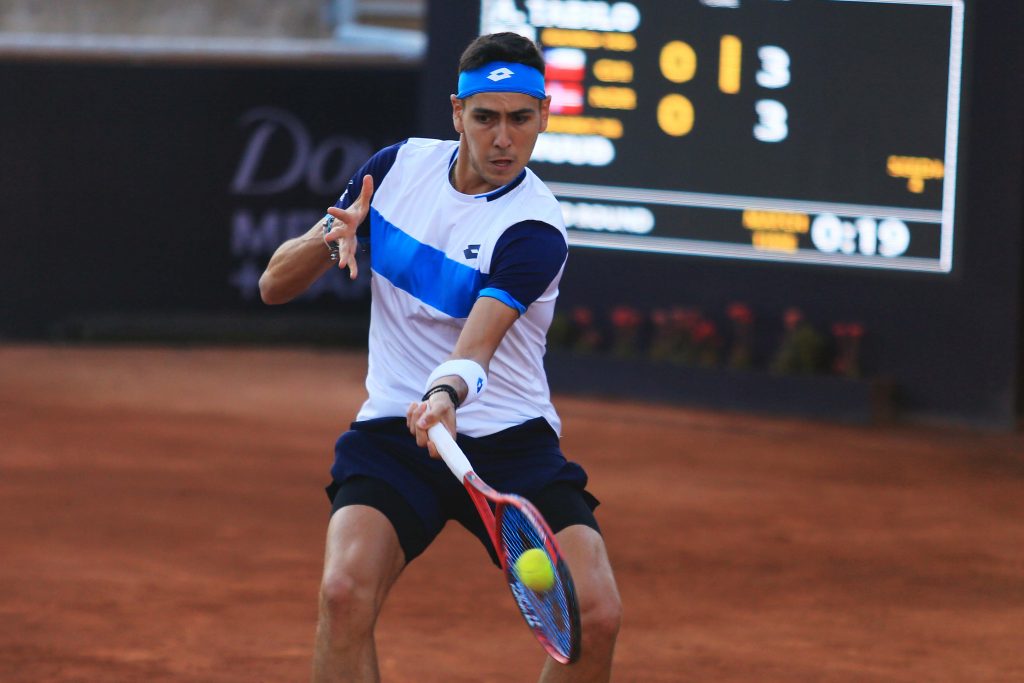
[{"x": 450, "y": 451}]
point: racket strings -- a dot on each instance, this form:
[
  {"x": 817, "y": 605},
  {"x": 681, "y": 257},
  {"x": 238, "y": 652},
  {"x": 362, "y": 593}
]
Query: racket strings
[{"x": 550, "y": 611}]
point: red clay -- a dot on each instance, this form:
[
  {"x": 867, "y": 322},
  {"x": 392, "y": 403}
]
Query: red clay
[{"x": 162, "y": 519}]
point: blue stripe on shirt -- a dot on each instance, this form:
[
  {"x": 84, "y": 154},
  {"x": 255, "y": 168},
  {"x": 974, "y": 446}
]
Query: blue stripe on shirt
[{"x": 421, "y": 270}]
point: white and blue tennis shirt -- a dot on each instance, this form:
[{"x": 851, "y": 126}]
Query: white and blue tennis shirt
[{"x": 433, "y": 252}]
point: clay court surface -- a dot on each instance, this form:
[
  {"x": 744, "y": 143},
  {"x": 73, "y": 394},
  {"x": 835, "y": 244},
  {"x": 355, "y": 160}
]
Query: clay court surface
[{"x": 162, "y": 519}]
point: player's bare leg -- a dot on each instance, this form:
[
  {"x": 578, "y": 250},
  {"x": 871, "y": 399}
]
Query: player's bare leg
[
  {"x": 600, "y": 608},
  {"x": 362, "y": 561}
]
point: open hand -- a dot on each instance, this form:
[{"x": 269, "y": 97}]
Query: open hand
[{"x": 346, "y": 221}]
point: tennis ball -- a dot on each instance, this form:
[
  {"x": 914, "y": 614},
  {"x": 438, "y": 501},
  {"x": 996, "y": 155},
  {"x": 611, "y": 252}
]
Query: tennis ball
[{"x": 535, "y": 571}]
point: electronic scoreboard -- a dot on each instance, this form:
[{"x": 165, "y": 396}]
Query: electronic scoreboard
[{"x": 814, "y": 131}]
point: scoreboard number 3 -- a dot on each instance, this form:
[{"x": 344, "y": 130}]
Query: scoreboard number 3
[
  {"x": 774, "y": 71},
  {"x": 771, "y": 121}
]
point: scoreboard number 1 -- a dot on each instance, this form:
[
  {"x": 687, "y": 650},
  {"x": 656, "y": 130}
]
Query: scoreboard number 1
[{"x": 730, "y": 64}]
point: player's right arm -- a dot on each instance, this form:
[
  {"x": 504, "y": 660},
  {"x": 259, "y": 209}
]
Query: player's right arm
[
  {"x": 527, "y": 259},
  {"x": 300, "y": 261}
]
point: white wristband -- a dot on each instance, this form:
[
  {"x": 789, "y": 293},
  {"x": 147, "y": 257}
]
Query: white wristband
[{"x": 471, "y": 372}]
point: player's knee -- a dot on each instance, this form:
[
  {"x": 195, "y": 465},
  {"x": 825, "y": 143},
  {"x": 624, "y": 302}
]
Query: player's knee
[
  {"x": 345, "y": 601},
  {"x": 601, "y": 617}
]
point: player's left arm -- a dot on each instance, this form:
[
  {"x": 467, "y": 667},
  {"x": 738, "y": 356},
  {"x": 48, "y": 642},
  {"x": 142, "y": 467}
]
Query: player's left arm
[{"x": 527, "y": 258}]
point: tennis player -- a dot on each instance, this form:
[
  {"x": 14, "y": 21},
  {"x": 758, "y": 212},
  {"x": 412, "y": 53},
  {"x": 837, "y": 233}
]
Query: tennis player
[{"x": 467, "y": 248}]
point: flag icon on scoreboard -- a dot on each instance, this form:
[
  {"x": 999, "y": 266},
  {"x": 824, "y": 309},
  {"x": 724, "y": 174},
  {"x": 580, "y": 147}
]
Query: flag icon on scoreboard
[
  {"x": 566, "y": 98},
  {"x": 564, "y": 69},
  {"x": 565, "y": 64}
]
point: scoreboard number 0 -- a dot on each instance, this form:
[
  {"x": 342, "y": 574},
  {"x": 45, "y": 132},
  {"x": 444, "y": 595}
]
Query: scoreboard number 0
[
  {"x": 678, "y": 62},
  {"x": 675, "y": 115}
]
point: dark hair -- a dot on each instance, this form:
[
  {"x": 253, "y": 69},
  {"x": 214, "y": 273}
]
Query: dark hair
[{"x": 501, "y": 47}]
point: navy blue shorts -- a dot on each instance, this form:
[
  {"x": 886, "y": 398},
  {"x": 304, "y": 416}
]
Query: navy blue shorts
[{"x": 378, "y": 463}]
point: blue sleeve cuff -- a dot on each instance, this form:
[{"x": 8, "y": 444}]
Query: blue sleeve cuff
[{"x": 504, "y": 297}]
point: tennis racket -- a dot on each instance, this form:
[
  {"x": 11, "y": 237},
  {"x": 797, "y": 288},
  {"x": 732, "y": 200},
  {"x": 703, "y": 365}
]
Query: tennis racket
[{"x": 515, "y": 526}]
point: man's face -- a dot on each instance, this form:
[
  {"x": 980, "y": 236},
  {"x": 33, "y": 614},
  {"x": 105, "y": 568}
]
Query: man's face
[{"x": 498, "y": 131}]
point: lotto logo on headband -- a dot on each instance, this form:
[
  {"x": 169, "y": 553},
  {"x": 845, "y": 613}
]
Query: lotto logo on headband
[
  {"x": 500, "y": 74},
  {"x": 502, "y": 77}
]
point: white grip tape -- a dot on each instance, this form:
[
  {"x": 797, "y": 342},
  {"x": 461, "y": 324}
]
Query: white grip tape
[
  {"x": 450, "y": 452},
  {"x": 471, "y": 372}
]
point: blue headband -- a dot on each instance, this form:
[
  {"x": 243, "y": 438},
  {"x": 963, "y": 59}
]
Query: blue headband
[{"x": 502, "y": 77}]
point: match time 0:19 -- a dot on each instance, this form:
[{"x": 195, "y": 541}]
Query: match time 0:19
[
  {"x": 679, "y": 64},
  {"x": 830, "y": 234}
]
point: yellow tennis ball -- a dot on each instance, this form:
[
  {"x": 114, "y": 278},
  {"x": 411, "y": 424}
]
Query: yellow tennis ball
[{"x": 535, "y": 571}]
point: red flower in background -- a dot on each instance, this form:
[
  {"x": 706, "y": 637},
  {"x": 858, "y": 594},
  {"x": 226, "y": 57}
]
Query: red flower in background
[
  {"x": 626, "y": 321},
  {"x": 740, "y": 313},
  {"x": 741, "y": 355},
  {"x": 582, "y": 316},
  {"x": 584, "y": 336},
  {"x": 664, "y": 340},
  {"x": 704, "y": 331},
  {"x": 847, "y": 359},
  {"x": 792, "y": 317},
  {"x": 848, "y": 330},
  {"x": 685, "y": 318},
  {"x": 626, "y": 317}
]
